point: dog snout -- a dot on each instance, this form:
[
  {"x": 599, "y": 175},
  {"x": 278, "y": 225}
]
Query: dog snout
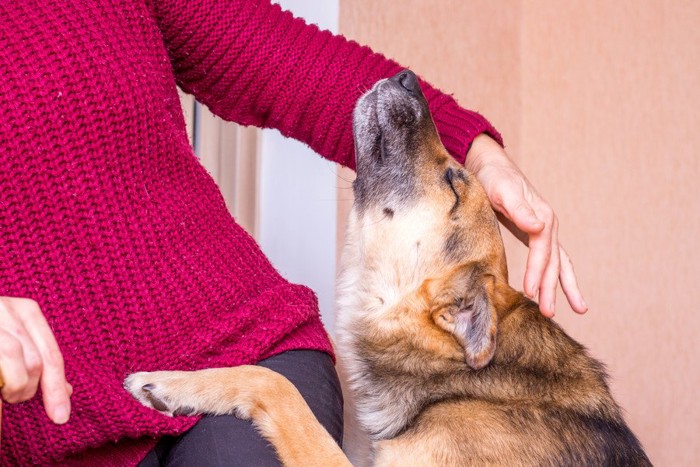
[{"x": 408, "y": 80}]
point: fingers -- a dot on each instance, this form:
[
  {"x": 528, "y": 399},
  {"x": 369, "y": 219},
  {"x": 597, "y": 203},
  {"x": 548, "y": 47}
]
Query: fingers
[
  {"x": 567, "y": 278},
  {"x": 30, "y": 356},
  {"x": 19, "y": 358},
  {"x": 548, "y": 264},
  {"x": 542, "y": 267},
  {"x": 54, "y": 386},
  {"x": 538, "y": 259},
  {"x": 550, "y": 276},
  {"x": 559, "y": 270},
  {"x": 17, "y": 386}
]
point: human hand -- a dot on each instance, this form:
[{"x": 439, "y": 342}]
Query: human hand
[
  {"x": 29, "y": 357},
  {"x": 531, "y": 219}
]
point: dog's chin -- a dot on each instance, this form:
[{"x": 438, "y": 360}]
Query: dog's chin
[
  {"x": 365, "y": 112},
  {"x": 366, "y": 131}
]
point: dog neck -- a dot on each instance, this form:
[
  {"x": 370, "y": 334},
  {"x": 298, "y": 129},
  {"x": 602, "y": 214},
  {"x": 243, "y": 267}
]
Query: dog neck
[
  {"x": 393, "y": 380},
  {"x": 552, "y": 368}
]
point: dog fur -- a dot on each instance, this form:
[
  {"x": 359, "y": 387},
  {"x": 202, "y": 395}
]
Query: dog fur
[{"x": 449, "y": 365}]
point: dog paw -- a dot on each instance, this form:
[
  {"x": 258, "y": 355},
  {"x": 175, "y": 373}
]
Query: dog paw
[
  {"x": 214, "y": 391},
  {"x": 162, "y": 391}
]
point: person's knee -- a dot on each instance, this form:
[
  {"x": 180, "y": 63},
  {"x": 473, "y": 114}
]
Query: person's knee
[
  {"x": 313, "y": 374},
  {"x": 229, "y": 441},
  {"x": 221, "y": 441}
]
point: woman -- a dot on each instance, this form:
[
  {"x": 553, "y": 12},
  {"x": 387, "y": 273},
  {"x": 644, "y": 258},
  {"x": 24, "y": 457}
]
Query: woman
[{"x": 120, "y": 244}]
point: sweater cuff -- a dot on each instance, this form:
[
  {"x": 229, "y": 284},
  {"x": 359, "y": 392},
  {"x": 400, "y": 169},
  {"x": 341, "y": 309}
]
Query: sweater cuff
[{"x": 458, "y": 127}]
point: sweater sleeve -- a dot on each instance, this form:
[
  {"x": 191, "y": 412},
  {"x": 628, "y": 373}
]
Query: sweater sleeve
[{"x": 253, "y": 63}]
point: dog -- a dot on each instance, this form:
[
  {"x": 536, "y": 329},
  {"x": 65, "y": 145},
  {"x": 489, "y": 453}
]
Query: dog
[{"x": 449, "y": 365}]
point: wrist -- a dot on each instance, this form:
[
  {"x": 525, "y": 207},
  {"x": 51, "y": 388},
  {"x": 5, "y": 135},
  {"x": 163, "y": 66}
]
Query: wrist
[{"x": 482, "y": 151}]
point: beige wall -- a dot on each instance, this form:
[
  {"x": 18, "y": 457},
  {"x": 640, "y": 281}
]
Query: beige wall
[{"x": 599, "y": 102}]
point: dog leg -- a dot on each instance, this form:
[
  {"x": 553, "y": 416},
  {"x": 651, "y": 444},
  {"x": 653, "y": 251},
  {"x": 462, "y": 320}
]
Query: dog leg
[{"x": 253, "y": 393}]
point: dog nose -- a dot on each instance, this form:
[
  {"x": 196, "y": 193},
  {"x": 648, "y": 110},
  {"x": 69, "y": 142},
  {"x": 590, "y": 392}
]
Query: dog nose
[{"x": 408, "y": 80}]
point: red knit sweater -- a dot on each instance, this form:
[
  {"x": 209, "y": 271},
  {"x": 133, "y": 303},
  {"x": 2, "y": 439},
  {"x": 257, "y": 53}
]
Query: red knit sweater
[{"x": 108, "y": 220}]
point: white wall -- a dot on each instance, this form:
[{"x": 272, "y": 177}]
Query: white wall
[{"x": 297, "y": 223}]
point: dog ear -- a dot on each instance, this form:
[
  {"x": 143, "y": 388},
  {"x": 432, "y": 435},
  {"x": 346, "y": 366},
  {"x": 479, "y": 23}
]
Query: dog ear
[{"x": 463, "y": 306}]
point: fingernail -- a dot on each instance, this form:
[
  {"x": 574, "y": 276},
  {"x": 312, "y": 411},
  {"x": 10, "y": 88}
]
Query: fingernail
[
  {"x": 583, "y": 304},
  {"x": 61, "y": 414},
  {"x": 533, "y": 291}
]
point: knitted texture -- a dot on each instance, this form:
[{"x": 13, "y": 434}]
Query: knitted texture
[{"x": 110, "y": 223}]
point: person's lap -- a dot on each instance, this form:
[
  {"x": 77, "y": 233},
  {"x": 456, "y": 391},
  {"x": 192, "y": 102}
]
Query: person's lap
[{"x": 229, "y": 441}]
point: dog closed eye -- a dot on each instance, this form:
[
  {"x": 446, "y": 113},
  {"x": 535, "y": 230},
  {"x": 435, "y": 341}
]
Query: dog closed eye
[{"x": 450, "y": 177}]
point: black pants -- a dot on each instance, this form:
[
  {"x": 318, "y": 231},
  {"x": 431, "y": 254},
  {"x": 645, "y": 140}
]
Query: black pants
[{"x": 229, "y": 441}]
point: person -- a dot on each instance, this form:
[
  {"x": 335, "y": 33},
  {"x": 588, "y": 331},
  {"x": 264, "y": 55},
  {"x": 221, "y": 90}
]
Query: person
[{"x": 118, "y": 252}]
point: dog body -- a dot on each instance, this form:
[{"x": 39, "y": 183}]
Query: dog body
[{"x": 449, "y": 366}]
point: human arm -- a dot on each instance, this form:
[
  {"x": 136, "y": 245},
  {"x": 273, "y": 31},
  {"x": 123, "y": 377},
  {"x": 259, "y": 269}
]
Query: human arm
[
  {"x": 253, "y": 63},
  {"x": 30, "y": 358}
]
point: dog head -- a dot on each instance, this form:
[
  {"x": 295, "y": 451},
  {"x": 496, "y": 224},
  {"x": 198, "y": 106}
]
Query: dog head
[{"x": 422, "y": 225}]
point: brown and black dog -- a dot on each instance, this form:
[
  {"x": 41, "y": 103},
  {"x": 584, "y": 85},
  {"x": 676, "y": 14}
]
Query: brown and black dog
[{"x": 449, "y": 366}]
